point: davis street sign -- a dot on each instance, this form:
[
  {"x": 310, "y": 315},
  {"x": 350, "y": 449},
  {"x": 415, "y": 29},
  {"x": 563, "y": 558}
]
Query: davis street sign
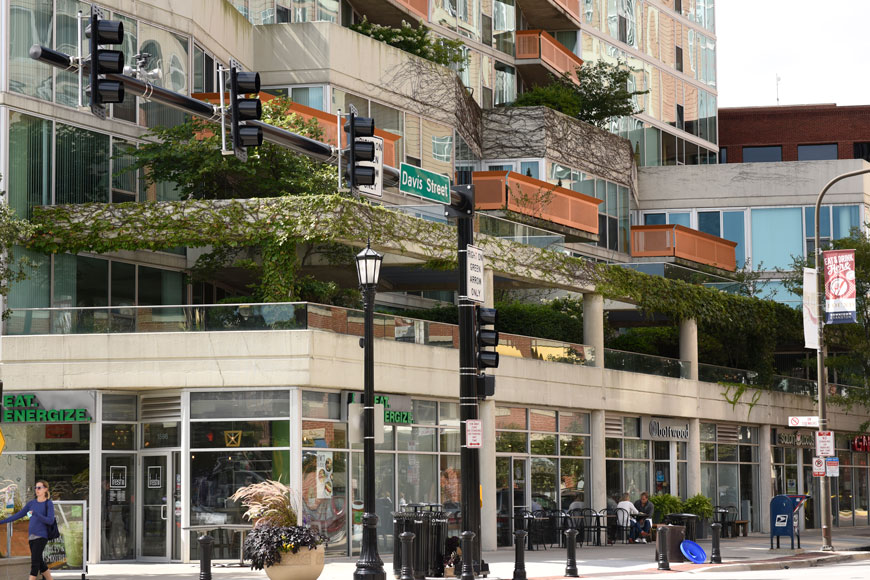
[
  {"x": 425, "y": 184},
  {"x": 803, "y": 422}
]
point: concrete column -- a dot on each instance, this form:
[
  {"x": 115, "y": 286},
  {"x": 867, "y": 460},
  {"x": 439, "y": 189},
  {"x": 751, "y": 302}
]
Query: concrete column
[
  {"x": 689, "y": 346},
  {"x": 598, "y": 497},
  {"x": 593, "y": 329},
  {"x": 488, "y": 530},
  {"x": 693, "y": 455},
  {"x": 765, "y": 478},
  {"x": 296, "y": 448}
]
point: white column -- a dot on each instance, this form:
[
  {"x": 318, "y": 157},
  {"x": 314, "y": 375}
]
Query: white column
[
  {"x": 488, "y": 513},
  {"x": 689, "y": 346},
  {"x": 765, "y": 478},
  {"x": 599, "y": 471},
  {"x": 593, "y": 328},
  {"x": 693, "y": 455},
  {"x": 296, "y": 449}
]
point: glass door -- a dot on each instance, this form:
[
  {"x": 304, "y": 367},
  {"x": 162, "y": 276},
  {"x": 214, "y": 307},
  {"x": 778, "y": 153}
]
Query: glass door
[
  {"x": 157, "y": 510},
  {"x": 511, "y": 496}
]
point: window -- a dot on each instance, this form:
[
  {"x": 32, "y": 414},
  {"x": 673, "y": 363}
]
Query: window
[
  {"x": 723, "y": 155},
  {"x": 776, "y": 237},
  {"x": 817, "y": 152},
  {"x": 308, "y": 96},
  {"x": 762, "y": 154},
  {"x": 678, "y": 59},
  {"x": 505, "y": 84},
  {"x": 504, "y": 25},
  {"x": 654, "y": 219},
  {"x": 530, "y": 169},
  {"x": 708, "y": 222},
  {"x": 681, "y": 117},
  {"x": 861, "y": 151}
]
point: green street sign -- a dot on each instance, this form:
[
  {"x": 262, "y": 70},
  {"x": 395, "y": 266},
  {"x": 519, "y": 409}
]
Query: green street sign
[{"x": 425, "y": 184}]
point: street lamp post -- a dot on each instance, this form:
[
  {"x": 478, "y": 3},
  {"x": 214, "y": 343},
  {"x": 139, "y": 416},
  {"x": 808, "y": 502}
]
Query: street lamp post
[
  {"x": 827, "y": 517},
  {"x": 369, "y": 566}
]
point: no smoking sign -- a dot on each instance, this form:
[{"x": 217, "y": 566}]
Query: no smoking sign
[{"x": 818, "y": 467}]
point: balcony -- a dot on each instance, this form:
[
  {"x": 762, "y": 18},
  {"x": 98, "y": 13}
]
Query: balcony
[
  {"x": 542, "y": 204},
  {"x": 682, "y": 242},
  {"x": 539, "y": 55},
  {"x": 551, "y": 14},
  {"x": 393, "y": 12}
]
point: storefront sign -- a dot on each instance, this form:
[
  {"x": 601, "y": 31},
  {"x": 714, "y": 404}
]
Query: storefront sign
[
  {"x": 664, "y": 429},
  {"x": 861, "y": 443},
  {"x": 794, "y": 439},
  {"x": 117, "y": 476},
  {"x": 825, "y": 443},
  {"x": 398, "y": 409},
  {"x": 48, "y": 407}
]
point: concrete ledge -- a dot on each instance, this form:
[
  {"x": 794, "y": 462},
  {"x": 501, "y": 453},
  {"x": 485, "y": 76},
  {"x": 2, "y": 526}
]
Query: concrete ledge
[
  {"x": 14, "y": 568},
  {"x": 809, "y": 561}
]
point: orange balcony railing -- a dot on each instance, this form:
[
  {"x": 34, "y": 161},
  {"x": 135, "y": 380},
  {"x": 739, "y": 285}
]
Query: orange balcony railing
[
  {"x": 538, "y": 44},
  {"x": 533, "y": 197},
  {"x": 418, "y": 7},
  {"x": 683, "y": 242},
  {"x": 570, "y": 6},
  {"x": 327, "y": 122}
]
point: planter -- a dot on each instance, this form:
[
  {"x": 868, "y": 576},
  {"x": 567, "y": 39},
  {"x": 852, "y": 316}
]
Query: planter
[
  {"x": 14, "y": 568},
  {"x": 303, "y": 565}
]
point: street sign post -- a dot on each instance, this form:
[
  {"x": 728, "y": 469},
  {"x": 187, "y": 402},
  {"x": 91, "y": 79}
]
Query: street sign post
[
  {"x": 474, "y": 433},
  {"x": 803, "y": 421},
  {"x": 423, "y": 183},
  {"x": 474, "y": 274},
  {"x": 818, "y": 466},
  {"x": 825, "y": 443}
]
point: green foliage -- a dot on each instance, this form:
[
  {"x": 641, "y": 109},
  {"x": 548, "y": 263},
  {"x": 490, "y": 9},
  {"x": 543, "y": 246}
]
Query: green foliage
[
  {"x": 655, "y": 340},
  {"x": 12, "y": 231},
  {"x": 700, "y": 505},
  {"x": 601, "y": 93},
  {"x": 665, "y": 503},
  {"x": 189, "y": 156},
  {"x": 416, "y": 41}
]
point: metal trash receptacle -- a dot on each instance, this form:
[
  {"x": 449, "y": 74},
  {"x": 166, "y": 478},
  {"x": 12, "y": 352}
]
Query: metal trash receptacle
[
  {"x": 687, "y": 521},
  {"x": 676, "y": 535},
  {"x": 429, "y": 525}
]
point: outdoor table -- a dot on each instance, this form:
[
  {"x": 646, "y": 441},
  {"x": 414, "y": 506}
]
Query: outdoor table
[{"x": 243, "y": 529}]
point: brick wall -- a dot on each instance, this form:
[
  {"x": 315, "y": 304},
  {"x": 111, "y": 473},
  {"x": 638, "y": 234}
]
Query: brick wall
[{"x": 792, "y": 126}]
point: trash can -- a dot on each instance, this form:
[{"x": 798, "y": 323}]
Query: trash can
[
  {"x": 676, "y": 535},
  {"x": 688, "y": 521},
  {"x": 428, "y": 523},
  {"x": 784, "y": 518}
]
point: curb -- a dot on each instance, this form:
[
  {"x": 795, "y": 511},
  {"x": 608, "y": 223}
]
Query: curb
[{"x": 835, "y": 558}]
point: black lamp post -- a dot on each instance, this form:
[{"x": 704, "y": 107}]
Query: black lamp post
[{"x": 369, "y": 566}]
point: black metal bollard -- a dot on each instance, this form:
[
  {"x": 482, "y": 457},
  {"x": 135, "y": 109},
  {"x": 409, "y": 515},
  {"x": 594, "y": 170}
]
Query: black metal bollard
[
  {"x": 663, "y": 548},
  {"x": 206, "y": 546},
  {"x": 571, "y": 566},
  {"x": 467, "y": 541},
  {"x": 407, "y": 539},
  {"x": 520, "y": 560},
  {"x": 715, "y": 551}
]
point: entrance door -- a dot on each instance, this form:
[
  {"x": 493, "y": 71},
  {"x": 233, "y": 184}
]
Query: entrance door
[
  {"x": 512, "y": 498},
  {"x": 155, "y": 531}
]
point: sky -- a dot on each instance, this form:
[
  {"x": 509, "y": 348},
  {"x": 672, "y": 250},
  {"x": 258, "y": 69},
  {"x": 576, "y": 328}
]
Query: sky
[{"x": 818, "y": 48}]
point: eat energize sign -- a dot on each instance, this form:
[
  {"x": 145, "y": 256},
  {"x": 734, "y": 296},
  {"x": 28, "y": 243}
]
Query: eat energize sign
[{"x": 26, "y": 409}]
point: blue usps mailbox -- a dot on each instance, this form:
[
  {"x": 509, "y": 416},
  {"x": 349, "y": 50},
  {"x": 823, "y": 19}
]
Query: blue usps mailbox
[{"x": 784, "y": 518}]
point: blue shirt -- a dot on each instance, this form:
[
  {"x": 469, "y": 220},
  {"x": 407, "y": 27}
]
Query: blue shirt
[{"x": 41, "y": 517}]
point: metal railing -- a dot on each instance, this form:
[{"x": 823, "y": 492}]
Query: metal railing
[
  {"x": 647, "y": 364},
  {"x": 715, "y": 374}
]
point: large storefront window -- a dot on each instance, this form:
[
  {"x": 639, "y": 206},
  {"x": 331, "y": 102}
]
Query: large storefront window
[{"x": 729, "y": 468}]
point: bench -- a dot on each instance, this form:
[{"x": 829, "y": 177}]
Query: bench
[{"x": 740, "y": 526}]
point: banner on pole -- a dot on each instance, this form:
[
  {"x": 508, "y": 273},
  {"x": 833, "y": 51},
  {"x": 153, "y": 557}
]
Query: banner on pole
[
  {"x": 839, "y": 286},
  {"x": 811, "y": 309}
]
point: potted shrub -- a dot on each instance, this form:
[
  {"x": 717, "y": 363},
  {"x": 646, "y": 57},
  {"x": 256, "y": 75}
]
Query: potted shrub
[
  {"x": 665, "y": 504},
  {"x": 701, "y": 506},
  {"x": 277, "y": 543}
]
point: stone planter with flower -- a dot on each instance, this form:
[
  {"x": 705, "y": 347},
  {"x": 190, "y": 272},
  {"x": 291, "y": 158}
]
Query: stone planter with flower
[{"x": 278, "y": 543}]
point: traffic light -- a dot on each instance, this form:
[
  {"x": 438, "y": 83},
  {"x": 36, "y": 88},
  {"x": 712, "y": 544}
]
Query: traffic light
[
  {"x": 103, "y": 62},
  {"x": 244, "y": 109},
  {"x": 361, "y": 151},
  {"x": 484, "y": 385},
  {"x": 486, "y": 338}
]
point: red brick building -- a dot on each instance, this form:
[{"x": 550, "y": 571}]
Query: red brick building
[{"x": 794, "y": 133}]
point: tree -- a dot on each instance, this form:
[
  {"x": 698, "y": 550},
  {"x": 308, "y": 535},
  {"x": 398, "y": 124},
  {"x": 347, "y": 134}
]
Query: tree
[
  {"x": 12, "y": 231},
  {"x": 601, "y": 93},
  {"x": 189, "y": 156}
]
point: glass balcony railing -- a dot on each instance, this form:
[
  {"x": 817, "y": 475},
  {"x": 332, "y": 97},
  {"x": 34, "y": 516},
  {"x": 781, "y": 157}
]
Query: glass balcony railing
[
  {"x": 634, "y": 362},
  {"x": 715, "y": 374}
]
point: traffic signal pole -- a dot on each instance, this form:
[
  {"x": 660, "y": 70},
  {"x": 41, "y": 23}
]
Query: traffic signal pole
[{"x": 311, "y": 148}]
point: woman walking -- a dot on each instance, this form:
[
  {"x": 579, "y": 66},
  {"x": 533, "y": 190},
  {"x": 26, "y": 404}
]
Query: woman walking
[{"x": 41, "y": 512}]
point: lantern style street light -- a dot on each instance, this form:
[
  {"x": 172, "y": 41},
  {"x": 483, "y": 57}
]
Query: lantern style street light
[{"x": 369, "y": 566}]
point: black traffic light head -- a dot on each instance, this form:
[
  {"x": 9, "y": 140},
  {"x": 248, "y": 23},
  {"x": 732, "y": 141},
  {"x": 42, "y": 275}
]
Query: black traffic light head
[
  {"x": 484, "y": 385},
  {"x": 244, "y": 109},
  {"x": 486, "y": 338},
  {"x": 103, "y": 62},
  {"x": 360, "y": 150}
]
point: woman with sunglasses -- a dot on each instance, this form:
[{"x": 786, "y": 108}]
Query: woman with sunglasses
[{"x": 41, "y": 513}]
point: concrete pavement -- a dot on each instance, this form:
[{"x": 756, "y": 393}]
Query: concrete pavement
[{"x": 738, "y": 554}]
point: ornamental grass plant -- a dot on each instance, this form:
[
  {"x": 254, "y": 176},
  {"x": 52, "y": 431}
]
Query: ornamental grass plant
[{"x": 277, "y": 529}]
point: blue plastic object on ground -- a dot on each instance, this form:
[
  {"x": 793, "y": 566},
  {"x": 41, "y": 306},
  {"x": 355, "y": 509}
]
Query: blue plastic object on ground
[{"x": 693, "y": 552}]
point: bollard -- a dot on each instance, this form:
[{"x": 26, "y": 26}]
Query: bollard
[
  {"x": 520, "y": 560},
  {"x": 571, "y": 566},
  {"x": 715, "y": 552},
  {"x": 206, "y": 545},
  {"x": 407, "y": 539},
  {"x": 467, "y": 541},
  {"x": 663, "y": 548}
]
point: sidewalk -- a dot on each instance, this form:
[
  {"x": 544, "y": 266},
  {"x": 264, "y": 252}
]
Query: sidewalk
[{"x": 738, "y": 554}]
